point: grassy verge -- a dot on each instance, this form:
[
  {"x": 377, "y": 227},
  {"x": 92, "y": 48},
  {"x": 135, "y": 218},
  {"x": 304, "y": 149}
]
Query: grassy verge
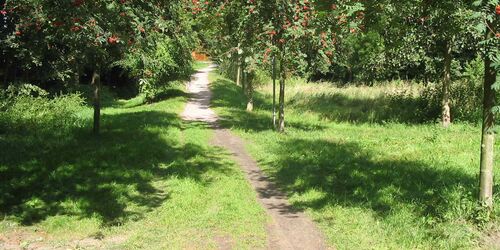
[
  {"x": 149, "y": 181},
  {"x": 197, "y": 65},
  {"x": 368, "y": 184}
]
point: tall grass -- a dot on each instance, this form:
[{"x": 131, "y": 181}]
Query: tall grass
[{"x": 395, "y": 101}]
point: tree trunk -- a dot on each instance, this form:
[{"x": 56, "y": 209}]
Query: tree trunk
[
  {"x": 446, "y": 114},
  {"x": 96, "y": 83},
  {"x": 281, "y": 126},
  {"x": 249, "y": 93},
  {"x": 243, "y": 78},
  {"x": 6, "y": 76},
  {"x": 76, "y": 74},
  {"x": 350, "y": 76},
  {"x": 488, "y": 135},
  {"x": 274, "y": 92},
  {"x": 238, "y": 70}
]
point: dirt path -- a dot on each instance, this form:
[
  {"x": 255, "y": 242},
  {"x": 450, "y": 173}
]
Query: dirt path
[{"x": 289, "y": 229}]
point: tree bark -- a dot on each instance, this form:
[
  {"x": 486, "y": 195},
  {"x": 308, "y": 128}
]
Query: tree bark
[
  {"x": 76, "y": 74},
  {"x": 488, "y": 135},
  {"x": 243, "y": 78},
  {"x": 274, "y": 92},
  {"x": 350, "y": 76},
  {"x": 6, "y": 76},
  {"x": 281, "y": 125},
  {"x": 96, "y": 83},
  {"x": 238, "y": 70},
  {"x": 249, "y": 93},
  {"x": 445, "y": 102}
]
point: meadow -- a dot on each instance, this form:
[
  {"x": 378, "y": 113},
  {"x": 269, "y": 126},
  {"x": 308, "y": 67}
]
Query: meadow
[{"x": 362, "y": 163}]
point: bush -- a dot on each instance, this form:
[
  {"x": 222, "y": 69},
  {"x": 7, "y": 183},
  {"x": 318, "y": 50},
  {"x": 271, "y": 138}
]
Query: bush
[
  {"x": 165, "y": 91},
  {"x": 465, "y": 93},
  {"x": 159, "y": 63},
  {"x": 426, "y": 103},
  {"x": 28, "y": 110}
]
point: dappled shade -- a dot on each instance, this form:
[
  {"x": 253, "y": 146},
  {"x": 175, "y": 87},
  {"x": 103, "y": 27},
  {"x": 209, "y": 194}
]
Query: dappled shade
[{"x": 115, "y": 177}]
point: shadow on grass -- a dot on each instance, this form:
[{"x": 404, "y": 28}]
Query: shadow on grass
[
  {"x": 109, "y": 96},
  {"x": 347, "y": 175},
  {"x": 228, "y": 95},
  {"x": 168, "y": 93},
  {"x": 117, "y": 177}
]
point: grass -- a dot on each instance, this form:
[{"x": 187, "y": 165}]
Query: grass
[
  {"x": 369, "y": 183},
  {"x": 149, "y": 181},
  {"x": 197, "y": 65},
  {"x": 385, "y": 102}
]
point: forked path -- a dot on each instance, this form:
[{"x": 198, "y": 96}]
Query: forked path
[{"x": 289, "y": 229}]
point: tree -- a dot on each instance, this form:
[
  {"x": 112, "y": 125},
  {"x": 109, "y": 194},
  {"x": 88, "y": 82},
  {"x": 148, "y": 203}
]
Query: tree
[
  {"x": 287, "y": 37},
  {"x": 490, "y": 12},
  {"x": 447, "y": 23},
  {"x": 57, "y": 39}
]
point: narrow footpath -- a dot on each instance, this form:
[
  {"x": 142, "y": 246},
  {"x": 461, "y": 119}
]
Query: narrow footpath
[{"x": 289, "y": 229}]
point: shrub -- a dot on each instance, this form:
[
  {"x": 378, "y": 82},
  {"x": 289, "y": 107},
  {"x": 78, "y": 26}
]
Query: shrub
[
  {"x": 159, "y": 63},
  {"x": 29, "y": 110},
  {"x": 426, "y": 103},
  {"x": 465, "y": 93},
  {"x": 165, "y": 91}
]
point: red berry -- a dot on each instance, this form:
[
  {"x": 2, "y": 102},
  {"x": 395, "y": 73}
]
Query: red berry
[
  {"x": 18, "y": 33},
  {"x": 76, "y": 28},
  {"x": 77, "y": 3},
  {"x": 113, "y": 39},
  {"x": 497, "y": 9},
  {"x": 58, "y": 24}
]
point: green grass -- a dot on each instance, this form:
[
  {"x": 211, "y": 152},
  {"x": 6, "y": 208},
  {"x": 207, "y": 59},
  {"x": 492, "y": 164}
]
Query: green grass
[
  {"x": 369, "y": 184},
  {"x": 197, "y": 65},
  {"x": 149, "y": 181}
]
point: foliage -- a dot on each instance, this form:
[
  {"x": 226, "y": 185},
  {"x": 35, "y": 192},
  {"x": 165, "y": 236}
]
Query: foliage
[
  {"x": 164, "y": 60},
  {"x": 488, "y": 11},
  {"x": 58, "y": 42},
  {"x": 29, "y": 110}
]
